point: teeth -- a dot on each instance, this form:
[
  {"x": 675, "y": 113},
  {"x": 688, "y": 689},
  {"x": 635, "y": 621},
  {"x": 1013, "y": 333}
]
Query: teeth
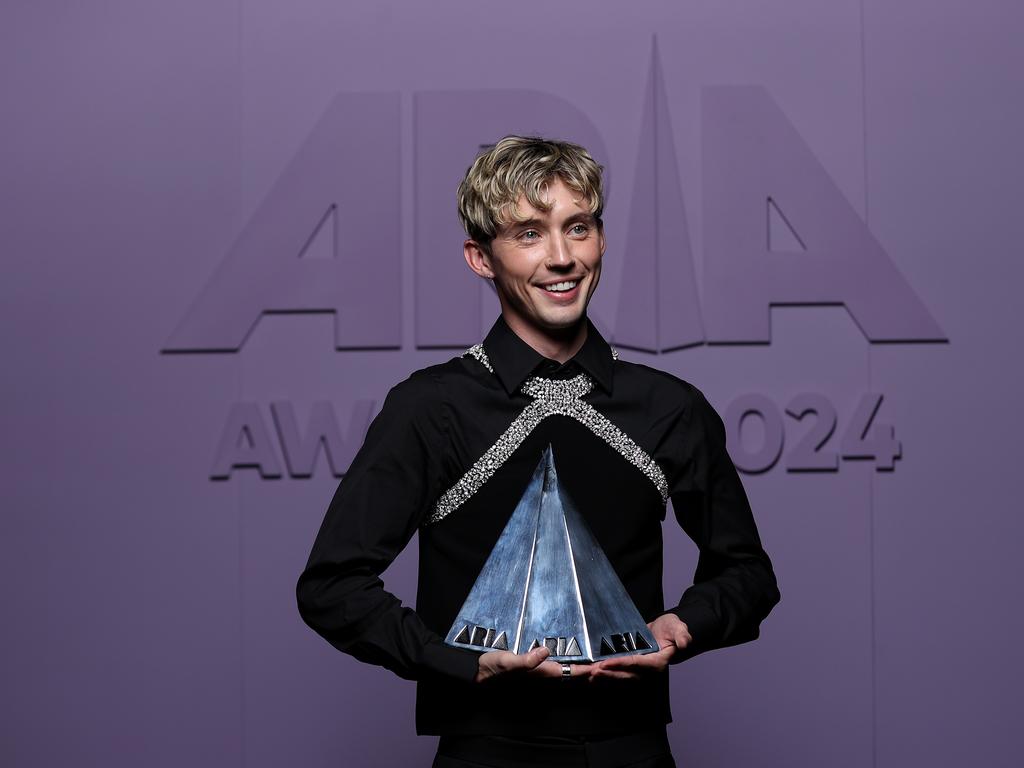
[{"x": 566, "y": 285}]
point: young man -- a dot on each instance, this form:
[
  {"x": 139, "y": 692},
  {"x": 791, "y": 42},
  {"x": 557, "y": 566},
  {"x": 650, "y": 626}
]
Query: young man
[{"x": 452, "y": 451}]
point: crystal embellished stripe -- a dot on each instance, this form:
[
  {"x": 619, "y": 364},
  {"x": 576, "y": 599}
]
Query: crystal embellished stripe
[
  {"x": 477, "y": 351},
  {"x": 551, "y": 397}
]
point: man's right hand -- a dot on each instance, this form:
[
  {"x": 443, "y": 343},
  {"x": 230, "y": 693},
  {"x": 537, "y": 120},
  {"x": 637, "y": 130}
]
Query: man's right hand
[{"x": 495, "y": 664}]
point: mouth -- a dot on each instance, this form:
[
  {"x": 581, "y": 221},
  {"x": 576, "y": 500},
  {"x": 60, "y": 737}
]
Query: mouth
[
  {"x": 563, "y": 287},
  {"x": 562, "y": 292}
]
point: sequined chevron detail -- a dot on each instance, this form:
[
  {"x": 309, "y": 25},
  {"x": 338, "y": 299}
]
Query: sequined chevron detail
[
  {"x": 568, "y": 403},
  {"x": 551, "y": 396},
  {"x": 477, "y": 351}
]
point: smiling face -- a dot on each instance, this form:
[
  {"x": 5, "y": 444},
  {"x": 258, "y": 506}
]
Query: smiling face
[{"x": 545, "y": 267}]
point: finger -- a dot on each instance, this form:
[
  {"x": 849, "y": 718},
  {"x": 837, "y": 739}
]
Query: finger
[
  {"x": 626, "y": 665},
  {"x": 647, "y": 661},
  {"x": 548, "y": 669},
  {"x": 632, "y": 666},
  {"x": 554, "y": 669},
  {"x": 666, "y": 652},
  {"x": 612, "y": 674}
]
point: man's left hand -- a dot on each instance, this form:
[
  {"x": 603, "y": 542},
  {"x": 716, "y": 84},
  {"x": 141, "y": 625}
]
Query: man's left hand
[{"x": 672, "y": 635}]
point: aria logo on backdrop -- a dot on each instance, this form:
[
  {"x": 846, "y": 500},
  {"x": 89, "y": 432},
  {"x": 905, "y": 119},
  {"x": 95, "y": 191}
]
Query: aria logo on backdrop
[{"x": 777, "y": 231}]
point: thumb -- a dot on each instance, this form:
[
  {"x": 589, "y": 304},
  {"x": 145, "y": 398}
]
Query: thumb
[
  {"x": 682, "y": 636},
  {"x": 535, "y": 657}
]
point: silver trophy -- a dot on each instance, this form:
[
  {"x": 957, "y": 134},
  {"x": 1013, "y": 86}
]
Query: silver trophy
[{"x": 548, "y": 582}]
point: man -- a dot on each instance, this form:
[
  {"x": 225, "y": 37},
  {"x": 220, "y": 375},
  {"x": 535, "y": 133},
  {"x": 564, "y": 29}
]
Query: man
[{"x": 455, "y": 445}]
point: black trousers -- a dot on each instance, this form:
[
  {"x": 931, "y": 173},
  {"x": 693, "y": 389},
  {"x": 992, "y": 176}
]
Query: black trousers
[{"x": 648, "y": 749}]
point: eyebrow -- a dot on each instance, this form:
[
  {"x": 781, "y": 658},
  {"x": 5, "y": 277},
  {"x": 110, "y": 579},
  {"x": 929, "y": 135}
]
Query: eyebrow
[{"x": 576, "y": 217}]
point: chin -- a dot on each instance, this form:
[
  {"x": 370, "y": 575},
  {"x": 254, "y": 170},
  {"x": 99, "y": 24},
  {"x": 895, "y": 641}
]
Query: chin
[{"x": 563, "y": 322}]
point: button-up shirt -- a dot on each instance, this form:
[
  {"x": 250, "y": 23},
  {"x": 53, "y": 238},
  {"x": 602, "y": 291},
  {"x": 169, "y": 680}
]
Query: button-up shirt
[{"x": 449, "y": 456}]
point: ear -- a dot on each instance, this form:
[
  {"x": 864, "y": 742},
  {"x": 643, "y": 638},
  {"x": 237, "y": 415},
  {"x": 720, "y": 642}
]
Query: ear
[
  {"x": 600, "y": 237},
  {"x": 478, "y": 259}
]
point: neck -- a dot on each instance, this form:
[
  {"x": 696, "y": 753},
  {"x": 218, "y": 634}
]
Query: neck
[{"x": 560, "y": 344}]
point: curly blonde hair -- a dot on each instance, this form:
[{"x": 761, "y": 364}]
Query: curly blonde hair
[{"x": 524, "y": 165}]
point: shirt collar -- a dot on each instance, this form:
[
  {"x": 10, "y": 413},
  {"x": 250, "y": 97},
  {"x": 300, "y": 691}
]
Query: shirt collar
[{"x": 514, "y": 360}]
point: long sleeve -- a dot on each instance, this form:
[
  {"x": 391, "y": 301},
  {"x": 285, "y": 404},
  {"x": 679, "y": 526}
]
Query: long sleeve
[
  {"x": 375, "y": 511},
  {"x": 734, "y": 585}
]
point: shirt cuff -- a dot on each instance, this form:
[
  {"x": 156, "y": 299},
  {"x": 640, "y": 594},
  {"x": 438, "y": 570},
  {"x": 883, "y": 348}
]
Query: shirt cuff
[{"x": 449, "y": 661}]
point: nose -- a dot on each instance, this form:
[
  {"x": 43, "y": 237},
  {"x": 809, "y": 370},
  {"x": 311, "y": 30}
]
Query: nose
[{"x": 560, "y": 255}]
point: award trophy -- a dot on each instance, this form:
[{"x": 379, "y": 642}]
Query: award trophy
[{"x": 548, "y": 582}]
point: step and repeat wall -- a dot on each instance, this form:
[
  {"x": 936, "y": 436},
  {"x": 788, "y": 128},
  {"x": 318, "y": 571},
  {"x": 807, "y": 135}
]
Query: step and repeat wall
[{"x": 227, "y": 229}]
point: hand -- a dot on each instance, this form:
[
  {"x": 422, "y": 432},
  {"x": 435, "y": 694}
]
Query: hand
[
  {"x": 498, "y": 664},
  {"x": 672, "y": 635}
]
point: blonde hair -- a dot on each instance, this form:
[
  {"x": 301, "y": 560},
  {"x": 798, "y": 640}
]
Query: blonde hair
[{"x": 524, "y": 165}]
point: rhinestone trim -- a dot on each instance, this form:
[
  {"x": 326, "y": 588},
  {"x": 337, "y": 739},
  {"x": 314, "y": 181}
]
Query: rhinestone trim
[
  {"x": 477, "y": 351},
  {"x": 551, "y": 397}
]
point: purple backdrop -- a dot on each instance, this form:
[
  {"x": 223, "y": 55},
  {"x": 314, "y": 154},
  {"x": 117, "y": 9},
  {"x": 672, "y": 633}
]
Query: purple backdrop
[{"x": 228, "y": 228}]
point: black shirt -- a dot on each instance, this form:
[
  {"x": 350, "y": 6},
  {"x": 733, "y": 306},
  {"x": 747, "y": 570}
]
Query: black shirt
[{"x": 450, "y": 454}]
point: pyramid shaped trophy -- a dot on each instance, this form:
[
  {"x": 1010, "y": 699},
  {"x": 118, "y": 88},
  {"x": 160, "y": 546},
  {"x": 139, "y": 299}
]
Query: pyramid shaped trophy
[{"x": 548, "y": 582}]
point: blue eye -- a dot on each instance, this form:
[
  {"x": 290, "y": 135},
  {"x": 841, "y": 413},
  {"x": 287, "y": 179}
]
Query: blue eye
[{"x": 527, "y": 233}]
